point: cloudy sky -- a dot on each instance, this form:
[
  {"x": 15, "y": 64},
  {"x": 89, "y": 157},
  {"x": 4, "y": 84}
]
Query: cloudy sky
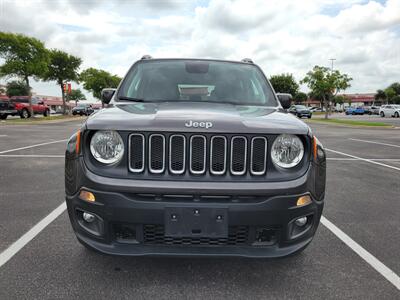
[{"x": 281, "y": 36}]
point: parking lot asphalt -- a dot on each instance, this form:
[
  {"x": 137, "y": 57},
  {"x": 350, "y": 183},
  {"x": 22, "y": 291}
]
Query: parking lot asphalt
[{"x": 362, "y": 199}]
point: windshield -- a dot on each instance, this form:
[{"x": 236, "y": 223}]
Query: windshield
[
  {"x": 300, "y": 107},
  {"x": 197, "y": 81}
]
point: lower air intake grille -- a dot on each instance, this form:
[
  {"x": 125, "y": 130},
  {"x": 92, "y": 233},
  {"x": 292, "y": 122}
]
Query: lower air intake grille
[{"x": 154, "y": 235}]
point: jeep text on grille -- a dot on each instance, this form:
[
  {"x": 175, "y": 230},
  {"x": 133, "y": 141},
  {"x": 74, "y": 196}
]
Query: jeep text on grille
[{"x": 195, "y": 157}]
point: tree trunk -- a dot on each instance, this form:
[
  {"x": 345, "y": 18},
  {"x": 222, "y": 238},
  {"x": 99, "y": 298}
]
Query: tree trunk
[
  {"x": 29, "y": 97},
  {"x": 63, "y": 98},
  {"x": 326, "y": 107}
]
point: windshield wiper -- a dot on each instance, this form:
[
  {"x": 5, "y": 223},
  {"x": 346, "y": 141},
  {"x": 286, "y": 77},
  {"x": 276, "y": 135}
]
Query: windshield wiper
[{"x": 130, "y": 99}]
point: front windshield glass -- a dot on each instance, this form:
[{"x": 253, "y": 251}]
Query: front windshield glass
[
  {"x": 197, "y": 81},
  {"x": 300, "y": 107}
]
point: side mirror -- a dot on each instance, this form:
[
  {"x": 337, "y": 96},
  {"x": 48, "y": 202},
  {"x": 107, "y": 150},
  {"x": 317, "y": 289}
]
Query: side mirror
[
  {"x": 285, "y": 100},
  {"x": 107, "y": 94}
]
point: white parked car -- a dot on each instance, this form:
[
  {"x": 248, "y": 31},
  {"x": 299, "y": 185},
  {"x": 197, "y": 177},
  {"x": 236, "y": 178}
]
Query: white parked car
[{"x": 390, "y": 110}]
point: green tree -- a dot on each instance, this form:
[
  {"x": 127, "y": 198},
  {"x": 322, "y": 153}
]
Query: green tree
[
  {"x": 380, "y": 96},
  {"x": 63, "y": 67},
  {"x": 396, "y": 99},
  {"x": 17, "y": 88},
  {"x": 300, "y": 97},
  {"x": 284, "y": 83},
  {"x": 24, "y": 57},
  {"x": 396, "y": 87},
  {"x": 76, "y": 95},
  {"x": 94, "y": 80},
  {"x": 339, "y": 99},
  {"x": 390, "y": 93},
  {"x": 326, "y": 83}
]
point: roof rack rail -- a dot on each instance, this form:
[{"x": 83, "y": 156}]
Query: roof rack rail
[
  {"x": 247, "y": 60},
  {"x": 146, "y": 56}
]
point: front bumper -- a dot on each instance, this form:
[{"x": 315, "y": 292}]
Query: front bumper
[
  {"x": 9, "y": 112},
  {"x": 139, "y": 206},
  {"x": 304, "y": 114}
]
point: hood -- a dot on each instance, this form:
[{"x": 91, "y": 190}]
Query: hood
[{"x": 178, "y": 116}]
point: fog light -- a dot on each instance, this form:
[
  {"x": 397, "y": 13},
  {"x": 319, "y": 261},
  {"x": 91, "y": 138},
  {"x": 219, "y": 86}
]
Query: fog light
[
  {"x": 87, "y": 196},
  {"x": 301, "y": 221},
  {"x": 90, "y": 218},
  {"x": 303, "y": 200}
]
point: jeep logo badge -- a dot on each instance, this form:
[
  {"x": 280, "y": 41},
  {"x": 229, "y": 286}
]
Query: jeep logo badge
[{"x": 206, "y": 125}]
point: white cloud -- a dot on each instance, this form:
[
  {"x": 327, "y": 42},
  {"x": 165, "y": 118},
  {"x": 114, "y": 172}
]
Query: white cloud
[{"x": 280, "y": 36}]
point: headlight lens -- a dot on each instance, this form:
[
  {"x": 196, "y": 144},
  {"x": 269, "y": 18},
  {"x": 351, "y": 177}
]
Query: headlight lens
[
  {"x": 287, "y": 151},
  {"x": 107, "y": 146}
]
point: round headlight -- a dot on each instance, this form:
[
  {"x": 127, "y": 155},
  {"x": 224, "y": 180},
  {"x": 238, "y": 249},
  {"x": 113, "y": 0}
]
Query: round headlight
[
  {"x": 287, "y": 151},
  {"x": 107, "y": 146}
]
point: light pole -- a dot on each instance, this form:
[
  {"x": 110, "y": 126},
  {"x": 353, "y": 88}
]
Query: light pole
[
  {"x": 330, "y": 102},
  {"x": 332, "y": 60}
]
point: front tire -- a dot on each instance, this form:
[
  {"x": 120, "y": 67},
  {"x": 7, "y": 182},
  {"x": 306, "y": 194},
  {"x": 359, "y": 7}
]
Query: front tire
[
  {"x": 396, "y": 114},
  {"x": 25, "y": 114},
  {"x": 3, "y": 117},
  {"x": 46, "y": 113},
  {"x": 382, "y": 114}
]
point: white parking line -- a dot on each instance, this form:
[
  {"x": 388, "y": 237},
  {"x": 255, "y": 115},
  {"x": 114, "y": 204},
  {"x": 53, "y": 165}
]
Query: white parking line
[
  {"x": 32, "y": 155},
  {"x": 364, "y": 254},
  {"x": 7, "y": 254},
  {"x": 353, "y": 159},
  {"x": 32, "y": 146},
  {"x": 3, "y": 135},
  {"x": 372, "y": 142},
  {"x": 364, "y": 159}
]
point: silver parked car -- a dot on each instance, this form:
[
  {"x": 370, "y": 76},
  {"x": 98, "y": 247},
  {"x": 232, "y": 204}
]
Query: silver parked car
[{"x": 391, "y": 110}]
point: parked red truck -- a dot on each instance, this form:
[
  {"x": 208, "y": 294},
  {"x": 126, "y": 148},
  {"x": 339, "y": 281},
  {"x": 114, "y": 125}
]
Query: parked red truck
[{"x": 19, "y": 106}]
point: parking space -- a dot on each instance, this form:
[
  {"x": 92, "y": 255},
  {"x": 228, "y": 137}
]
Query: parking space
[{"x": 362, "y": 199}]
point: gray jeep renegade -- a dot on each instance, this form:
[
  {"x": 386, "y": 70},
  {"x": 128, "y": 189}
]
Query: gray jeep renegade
[{"x": 195, "y": 157}]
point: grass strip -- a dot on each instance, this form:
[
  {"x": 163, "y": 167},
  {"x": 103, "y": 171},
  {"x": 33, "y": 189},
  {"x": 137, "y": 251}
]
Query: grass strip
[{"x": 351, "y": 122}]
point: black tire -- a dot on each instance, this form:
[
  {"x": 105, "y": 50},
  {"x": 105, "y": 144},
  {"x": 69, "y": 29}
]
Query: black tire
[
  {"x": 25, "y": 114},
  {"x": 81, "y": 113},
  {"x": 74, "y": 113},
  {"x": 46, "y": 113},
  {"x": 3, "y": 117},
  {"x": 396, "y": 114},
  {"x": 382, "y": 114},
  {"x": 309, "y": 116}
]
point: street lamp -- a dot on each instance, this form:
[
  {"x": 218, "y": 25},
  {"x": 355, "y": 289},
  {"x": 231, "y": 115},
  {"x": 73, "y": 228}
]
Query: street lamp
[{"x": 332, "y": 60}]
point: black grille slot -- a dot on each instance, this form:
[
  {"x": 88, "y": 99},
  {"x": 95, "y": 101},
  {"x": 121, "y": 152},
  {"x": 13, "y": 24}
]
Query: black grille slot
[
  {"x": 197, "y": 154},
  {"x": 258, "y": 155},
  {"x": 218, "y": 155},
  {"x": 238, "y": 155},
  {"x": 177, "y": 149},
  {"x": 189, "y": 154},
  {"x": 154, "y": 235},
  {"x": 156, "y": 153},
  {"x": 136, "y": 153}
]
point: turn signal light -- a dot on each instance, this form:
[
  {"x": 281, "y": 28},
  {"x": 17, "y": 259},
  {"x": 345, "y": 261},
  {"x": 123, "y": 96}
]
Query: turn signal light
[
  {"x": 315, "y": 148},
  {"x": 78, "y": 142},
  {"x": 87, "y": 196},
  {"x": 303, "y": 200}
]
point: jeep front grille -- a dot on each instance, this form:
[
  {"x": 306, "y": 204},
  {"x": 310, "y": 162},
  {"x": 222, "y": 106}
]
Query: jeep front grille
[{"x": 198, "y": 154}]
